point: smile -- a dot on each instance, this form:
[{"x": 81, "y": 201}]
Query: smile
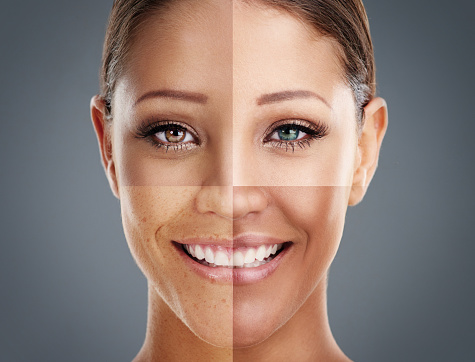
[
  {"x": 242, "y": 260},
  {"x": 218, "y": 256}
]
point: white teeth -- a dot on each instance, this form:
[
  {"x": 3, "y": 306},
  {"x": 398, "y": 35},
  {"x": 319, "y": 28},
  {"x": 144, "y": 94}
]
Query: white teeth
[
  {"x": 261, "y": 253},
  {"x": 221, "y": 259},
  {"x": 249, "y": 265},
  {"x": 209, "y": 256},
  {"x": 268, "y": 251},
  {"x": 248, "y": 258},
  {"x": 200, "y": 255},
  {"x": 191, "y": 250},
  {"x": 238, "y": 259}
]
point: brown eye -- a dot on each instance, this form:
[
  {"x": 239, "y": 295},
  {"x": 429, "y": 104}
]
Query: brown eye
[
  {"x": 169, "y": 135},
  {"x": 175, "y": 135}
]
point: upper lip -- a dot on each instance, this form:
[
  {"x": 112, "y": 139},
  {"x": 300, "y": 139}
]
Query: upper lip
[
  {"x": 251, "y": 240},
  {"x": 242, "y": 240}
]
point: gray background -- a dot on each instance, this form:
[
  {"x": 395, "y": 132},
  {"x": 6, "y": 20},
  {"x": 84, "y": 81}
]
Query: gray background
[{"x": 401, "y": 288}]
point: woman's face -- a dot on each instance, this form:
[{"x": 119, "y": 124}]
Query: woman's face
[{"x": 233, "y": 131}]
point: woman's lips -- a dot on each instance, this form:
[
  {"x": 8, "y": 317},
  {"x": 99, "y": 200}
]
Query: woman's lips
[{"x": 249, "y": 259}]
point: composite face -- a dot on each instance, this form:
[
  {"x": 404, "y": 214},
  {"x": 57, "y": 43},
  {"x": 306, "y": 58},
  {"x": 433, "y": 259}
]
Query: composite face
[{"x": 234, "y": 142}]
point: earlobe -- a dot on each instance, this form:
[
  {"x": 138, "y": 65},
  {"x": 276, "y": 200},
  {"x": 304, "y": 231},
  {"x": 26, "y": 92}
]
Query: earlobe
[
  {"x": 369, "y": 145},
  {"x": 103, "y": 133}
]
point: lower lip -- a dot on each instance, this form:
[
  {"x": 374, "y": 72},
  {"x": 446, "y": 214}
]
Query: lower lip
[{"x": 237, "y": 276}]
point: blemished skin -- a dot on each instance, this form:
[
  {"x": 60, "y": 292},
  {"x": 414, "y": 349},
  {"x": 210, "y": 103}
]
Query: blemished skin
[{"x": 225, "y": 174}]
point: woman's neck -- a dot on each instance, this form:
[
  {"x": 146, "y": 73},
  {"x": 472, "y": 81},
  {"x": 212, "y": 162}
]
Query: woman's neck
[{"x": 305, "y": 337}]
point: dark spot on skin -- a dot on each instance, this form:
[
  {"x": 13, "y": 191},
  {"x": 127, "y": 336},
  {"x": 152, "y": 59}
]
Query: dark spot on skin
[
  {"x": 144, "y": 220},
  {"x": 223, "y": 300}
]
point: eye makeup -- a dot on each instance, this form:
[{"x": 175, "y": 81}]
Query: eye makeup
[
  {"x": 294, "y": 133},
  {"x": 168, "y": 135},
  {"x": 287, "y": 135}
]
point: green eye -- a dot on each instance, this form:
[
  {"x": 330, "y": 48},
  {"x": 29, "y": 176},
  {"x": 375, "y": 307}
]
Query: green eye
[{"x": 288, "y": 133}]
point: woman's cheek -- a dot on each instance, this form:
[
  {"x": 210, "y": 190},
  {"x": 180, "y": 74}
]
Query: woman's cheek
[
  {"x": 139, "y": 168},
  {"x": 138, "y": 162},
  {"x": 146, "y": 210},
  {"x": 319, "y": 212}
]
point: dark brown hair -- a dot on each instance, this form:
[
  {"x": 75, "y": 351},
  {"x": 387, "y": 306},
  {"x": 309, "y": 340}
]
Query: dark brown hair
[
  {"x": 125, "y": 17},
  {"x": 343, "y": 20}
]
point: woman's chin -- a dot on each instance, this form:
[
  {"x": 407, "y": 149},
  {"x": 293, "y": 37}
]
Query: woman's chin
[
  {"x": 216, "y": 330},
  {"x": 246, "y": 339},
  {"x": 241, "y": 332},
  {"x": 217, "y": 338},
  {"x": 248, "y": 332}
]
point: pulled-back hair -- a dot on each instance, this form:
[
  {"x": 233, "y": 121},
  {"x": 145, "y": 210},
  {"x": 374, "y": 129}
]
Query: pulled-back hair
[{"x": 342, "y": 20}]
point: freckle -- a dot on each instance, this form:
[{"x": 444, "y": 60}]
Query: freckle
[
  {"x": 144, "y": 219},
  {"x": 195, "y": 305}
]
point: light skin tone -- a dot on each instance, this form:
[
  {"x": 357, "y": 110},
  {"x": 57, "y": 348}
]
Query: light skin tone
[{"x": 221, "y": 89}]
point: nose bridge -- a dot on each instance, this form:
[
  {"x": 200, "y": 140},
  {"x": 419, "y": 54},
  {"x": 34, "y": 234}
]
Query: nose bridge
[
  {"x": 243, "y": 161},
  {"x": 219, "y": 169},
  {"x": 238, "y": 166},
  {"x": 218, "y": 166},
  {"x": 231, "y": 161}
]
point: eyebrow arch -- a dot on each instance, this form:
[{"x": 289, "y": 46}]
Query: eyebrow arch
[
  {"x": 289, "y": 95},
  {"x": 174, "y": 94}
]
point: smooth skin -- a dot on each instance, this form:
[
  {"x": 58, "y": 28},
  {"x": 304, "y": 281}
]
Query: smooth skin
[{"x": 221, "y": 75}]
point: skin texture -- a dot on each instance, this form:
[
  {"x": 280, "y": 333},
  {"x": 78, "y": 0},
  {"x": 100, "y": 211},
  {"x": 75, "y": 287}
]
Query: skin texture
[{"x": 233, "y": 177}]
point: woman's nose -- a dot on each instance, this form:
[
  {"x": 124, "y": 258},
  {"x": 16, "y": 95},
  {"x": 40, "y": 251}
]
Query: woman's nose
[
  {"x": 231, "y": 202},
  {"x": 248, "y": 200},
  {"x": 217, "y": 200},
  {"x": 217, "y": 171}
]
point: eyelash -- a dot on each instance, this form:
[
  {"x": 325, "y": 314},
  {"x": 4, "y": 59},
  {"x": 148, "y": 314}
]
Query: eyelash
[
  {"x": 149, "y": 129},
  {"x": 313, "y": 131}
]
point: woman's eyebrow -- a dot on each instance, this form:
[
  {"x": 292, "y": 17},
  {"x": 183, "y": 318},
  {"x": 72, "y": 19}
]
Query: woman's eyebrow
[
  {"x": 289, "y": 95},
  {"x": 174, "y": 94}
]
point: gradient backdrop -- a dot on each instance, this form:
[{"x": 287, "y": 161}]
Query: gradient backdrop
[{"x": 402, "y": 285}]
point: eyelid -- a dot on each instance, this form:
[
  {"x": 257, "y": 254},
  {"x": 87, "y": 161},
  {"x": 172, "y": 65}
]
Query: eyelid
[
  {"x": 150, "y": 127},
  {"x": 318, "y": 129}
]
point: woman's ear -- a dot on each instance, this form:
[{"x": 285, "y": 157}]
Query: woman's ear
[
  {"x": 372, "y": 134},
  {"x": 103, "y": 133}
]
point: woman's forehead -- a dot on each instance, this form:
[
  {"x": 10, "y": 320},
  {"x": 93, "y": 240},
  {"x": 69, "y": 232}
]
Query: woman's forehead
[{"x": 243, "y": 51}]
